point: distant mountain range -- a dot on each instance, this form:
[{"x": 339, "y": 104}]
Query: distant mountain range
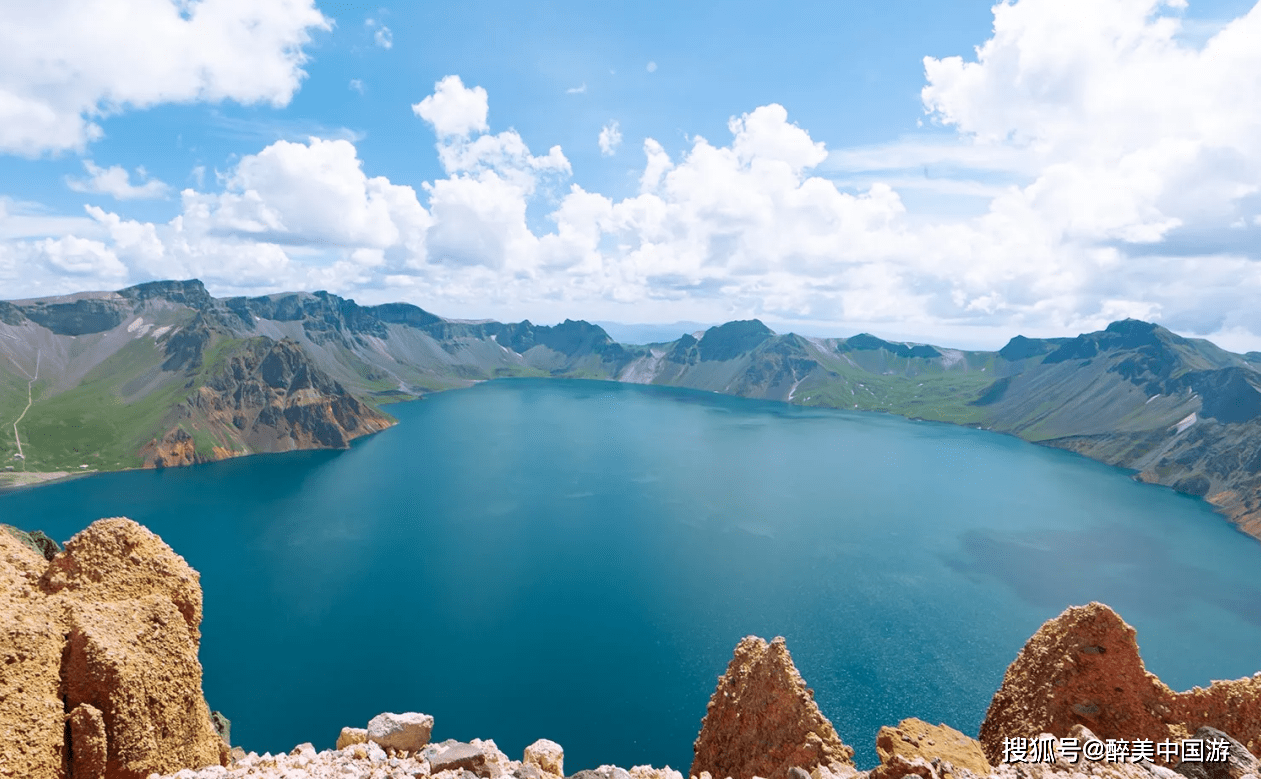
[{"x": 164, "y": 374}]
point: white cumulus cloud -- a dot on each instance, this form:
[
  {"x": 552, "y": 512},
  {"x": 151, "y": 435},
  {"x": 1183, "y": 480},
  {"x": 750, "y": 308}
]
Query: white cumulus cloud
[
  {"x": 381, "y": 35},
  {"x": 454, "y": 109},
  {"x": 1136, "y": 132},
  {"x": 610, "y": 138},
  {"x": 116, "y": 182},
  {"x": 310, "y": 193},
  {"x": 66, "y": 64},
  {"x": 80, "y": 257}
]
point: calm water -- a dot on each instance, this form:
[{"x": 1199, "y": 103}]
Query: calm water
[{"x": 577, "y": 560}]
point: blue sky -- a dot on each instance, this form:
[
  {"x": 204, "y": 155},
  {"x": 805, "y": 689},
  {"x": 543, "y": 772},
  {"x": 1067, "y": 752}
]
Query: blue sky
[{"x": 827, "y": 167}]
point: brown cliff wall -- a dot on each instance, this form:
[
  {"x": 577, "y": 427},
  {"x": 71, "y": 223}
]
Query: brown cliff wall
[{"x": 268, "y": 396}]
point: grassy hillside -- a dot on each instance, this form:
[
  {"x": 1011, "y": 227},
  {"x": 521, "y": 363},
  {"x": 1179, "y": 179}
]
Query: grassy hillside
[{"x": 102, "y": 422}]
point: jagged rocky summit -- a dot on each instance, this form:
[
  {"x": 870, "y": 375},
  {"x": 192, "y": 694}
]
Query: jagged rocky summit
[{"x": 99, "y": 679}]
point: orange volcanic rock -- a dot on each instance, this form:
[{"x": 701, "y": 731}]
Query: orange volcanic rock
[
  {"x": 176, "y": 448},
  {"x": 267, "y": 396},
  {"x": 762, "y": 719},
  {"x": 1083, "y": 668}
]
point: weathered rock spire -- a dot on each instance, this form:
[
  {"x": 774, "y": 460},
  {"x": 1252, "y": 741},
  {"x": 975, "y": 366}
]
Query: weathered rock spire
[{"x": 762, "y": 719}]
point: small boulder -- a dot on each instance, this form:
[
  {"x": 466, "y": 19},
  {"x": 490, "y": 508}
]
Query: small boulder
[
  {"x": 547, "y": 756},
  {"x": 351, "y": 736},
  {"x": 603, "y": 772},
  {"x": 461, "y": 756},
  {"x": 648, "y": 772},
  {"x": 407, "y": 732}
]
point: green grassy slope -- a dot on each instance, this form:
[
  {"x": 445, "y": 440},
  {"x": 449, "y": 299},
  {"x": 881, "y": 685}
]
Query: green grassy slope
[{"x": 97, "y": 423}]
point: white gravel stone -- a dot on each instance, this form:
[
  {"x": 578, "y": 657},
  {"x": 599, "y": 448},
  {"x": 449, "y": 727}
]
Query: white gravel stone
[{"x": 409, "y": 731}]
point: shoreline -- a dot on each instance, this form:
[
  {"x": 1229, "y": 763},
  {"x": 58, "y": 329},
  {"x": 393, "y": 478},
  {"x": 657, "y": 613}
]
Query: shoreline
[
  {"x": 14, "y": 481},
  {"x": 59, "y": 477}
]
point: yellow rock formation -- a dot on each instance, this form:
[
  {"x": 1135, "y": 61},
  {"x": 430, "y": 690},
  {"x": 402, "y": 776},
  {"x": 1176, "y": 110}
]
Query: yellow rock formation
[{"x": 112, "y": 625}]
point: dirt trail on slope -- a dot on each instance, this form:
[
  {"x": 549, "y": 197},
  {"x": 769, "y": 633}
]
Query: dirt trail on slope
[{"x": 29, "y": 387}]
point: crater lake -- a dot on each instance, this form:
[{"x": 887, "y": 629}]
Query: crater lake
[{"x": 577, "y": 560}]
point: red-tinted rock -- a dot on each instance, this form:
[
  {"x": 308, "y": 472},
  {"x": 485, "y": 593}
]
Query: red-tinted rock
[{"x": 762, "y": 719}]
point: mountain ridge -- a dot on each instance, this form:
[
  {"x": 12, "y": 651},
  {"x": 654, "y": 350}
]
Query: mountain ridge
[{"x": 142, "y": 373}]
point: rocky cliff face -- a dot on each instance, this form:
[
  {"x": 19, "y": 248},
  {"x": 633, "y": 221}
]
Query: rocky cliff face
[
  {"x": 267, "y": 397},
  {"x": 99, "y": 646}
]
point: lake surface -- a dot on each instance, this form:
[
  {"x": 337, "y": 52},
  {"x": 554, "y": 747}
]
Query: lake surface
[{"x": 577, "y": 560}]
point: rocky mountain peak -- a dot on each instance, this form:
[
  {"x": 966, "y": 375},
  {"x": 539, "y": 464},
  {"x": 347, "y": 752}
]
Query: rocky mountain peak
[
  {"x": 78, "y": 317},
  {"x": 1022, "y": 348},
  {"x": 762, "y": 719},
  {"x": 868, "y": 342},
  {"x": 1124, "y": 335},
  {"x": 730, "y": 340},
  {"x": 191, "y": 293}
]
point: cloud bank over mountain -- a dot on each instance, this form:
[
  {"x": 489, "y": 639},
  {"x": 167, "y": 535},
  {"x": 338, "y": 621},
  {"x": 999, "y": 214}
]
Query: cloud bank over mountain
[{"x": 1134, "y": 160}]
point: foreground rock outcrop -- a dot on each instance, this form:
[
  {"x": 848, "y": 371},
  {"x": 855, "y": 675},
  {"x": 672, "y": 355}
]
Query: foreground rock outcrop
[
  {"x": 1083, "y": 668},
  {"x": 99, "y": 651},
  {"x": 362, "y": 754},
  {"x": 762, "y": 720}
]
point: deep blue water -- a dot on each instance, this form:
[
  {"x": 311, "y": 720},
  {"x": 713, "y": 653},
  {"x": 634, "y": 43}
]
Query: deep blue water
[{"x": 577, "y": 560}]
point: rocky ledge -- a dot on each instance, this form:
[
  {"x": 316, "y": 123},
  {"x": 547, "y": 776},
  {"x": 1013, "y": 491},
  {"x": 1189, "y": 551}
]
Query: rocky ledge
[{"x": 100, "y": 680}]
